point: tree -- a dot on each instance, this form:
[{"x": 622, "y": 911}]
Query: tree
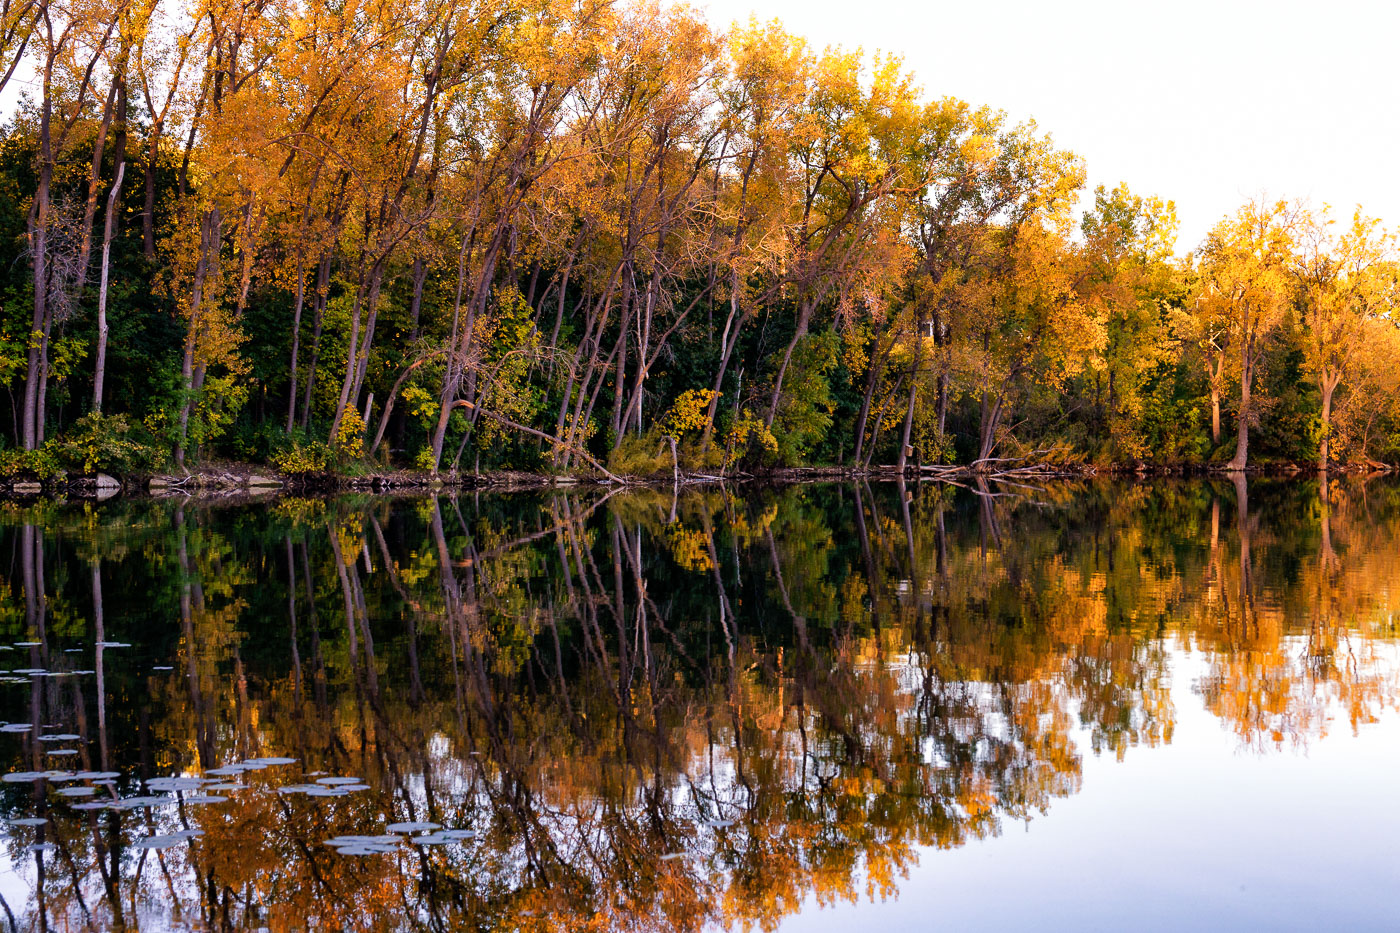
[
  {"x": 1346, "y": 282},
  {"x": 1127, "y": 280},
  {"x": 1244, "y": 267}
]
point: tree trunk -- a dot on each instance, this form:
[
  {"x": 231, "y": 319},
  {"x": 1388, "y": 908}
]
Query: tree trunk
[
  {"x": 148, "y": 208},
  {"x": 39, "y": 247},
  {"x": 109, "y": 227},
  {"x": 904, "y": 447},
  {"x": 991, "y": 418},
  {"x": 415, "y": 306},
  {"x": 296, "y": 348},
  {"x": 619, "y": 381},
  {"x": 872, "y": 380},
  {"x": 804, "y": 318},
  {"x": 209, "y": 235},
  {"x": 1215, "y": 377},
  {"x": 1215, "y": 414},
  {"x": 1324, "y": 456},
  {"x": 323, "y": 277},
  {"x": 94, "y": 181},
  {"x": 728, "y": 339},
  {"x": 352, "y": 349},
  {"x": 1241, "y": 458}
]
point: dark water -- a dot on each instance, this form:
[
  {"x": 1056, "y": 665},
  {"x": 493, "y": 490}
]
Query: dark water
[{"x": 1101, "y": 706}]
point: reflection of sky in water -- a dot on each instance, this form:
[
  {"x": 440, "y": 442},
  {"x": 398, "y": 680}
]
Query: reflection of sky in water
[{"x": 1195, "y": 834}]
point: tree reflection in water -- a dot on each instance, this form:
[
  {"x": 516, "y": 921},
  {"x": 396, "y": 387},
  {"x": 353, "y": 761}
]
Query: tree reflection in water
[{"x": 654, "y": 712}]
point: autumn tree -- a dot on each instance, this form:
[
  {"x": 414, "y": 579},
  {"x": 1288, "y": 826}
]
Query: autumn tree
[
  {"x": 1347, "y": 281},
  {"x": 1244, "y": 267}
]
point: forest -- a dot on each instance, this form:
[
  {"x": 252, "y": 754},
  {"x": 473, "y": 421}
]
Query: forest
[{"x": 571, "y": 237}]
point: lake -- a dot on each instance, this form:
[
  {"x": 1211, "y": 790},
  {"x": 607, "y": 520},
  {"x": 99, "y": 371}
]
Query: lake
[{"x": 1088, "y": 705}]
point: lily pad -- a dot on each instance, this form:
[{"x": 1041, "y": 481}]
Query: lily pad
[
  {"x": 299, "y": 788},
  {"x": 159, "y": 842},
  {"x": 137, "y": 803},
  {"x": 363, "y": 840},
  {"x": 176, "y": 783},
  {"x": 365, "y": 850},
  {"x": 419, "y": 827}
]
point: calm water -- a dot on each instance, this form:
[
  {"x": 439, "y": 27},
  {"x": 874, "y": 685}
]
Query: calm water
[{"x": 830, "y": 707}]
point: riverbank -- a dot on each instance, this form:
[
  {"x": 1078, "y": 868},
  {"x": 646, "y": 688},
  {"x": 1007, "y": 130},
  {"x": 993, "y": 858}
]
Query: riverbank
[{"x": 245, "y": 480}]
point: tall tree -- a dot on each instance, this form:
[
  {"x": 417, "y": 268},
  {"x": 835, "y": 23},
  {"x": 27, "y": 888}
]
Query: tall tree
[
  {"x": 1347, "y": 280},
  {"x": 1244, "y": 266}
]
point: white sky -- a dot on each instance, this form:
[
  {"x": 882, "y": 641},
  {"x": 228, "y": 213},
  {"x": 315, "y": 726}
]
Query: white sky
[{"x": 1205, "y": 103}]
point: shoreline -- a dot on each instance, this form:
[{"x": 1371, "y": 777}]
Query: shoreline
[{"x": 253, "y": 482}]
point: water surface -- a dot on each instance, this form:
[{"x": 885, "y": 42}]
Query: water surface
[{"x": 826, "y": 707}]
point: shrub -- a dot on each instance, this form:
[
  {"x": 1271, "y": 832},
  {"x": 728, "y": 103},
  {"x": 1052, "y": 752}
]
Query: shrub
[
  {"x": 107, "y": 443},
  {"x": 647, "y": 455},
  {"x": 349, "y": 442},
  {"x": 302, "y": 456},
  {"x": 40, "y": 463}
]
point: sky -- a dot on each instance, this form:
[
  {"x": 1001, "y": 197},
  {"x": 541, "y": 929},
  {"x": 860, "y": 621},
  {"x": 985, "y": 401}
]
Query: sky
[{"x": 1203, "y": 103}]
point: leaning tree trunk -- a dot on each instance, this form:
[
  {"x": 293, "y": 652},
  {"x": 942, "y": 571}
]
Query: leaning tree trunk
[
  {"x": 991, "y": 419},
  {"x": 804, "y": 318},
  {"x": 728, "y": 339},
  {"x": 109, "y": 226}
]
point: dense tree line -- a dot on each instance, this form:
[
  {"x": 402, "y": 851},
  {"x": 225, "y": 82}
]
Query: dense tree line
[{"x": 547, "y": 235}]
